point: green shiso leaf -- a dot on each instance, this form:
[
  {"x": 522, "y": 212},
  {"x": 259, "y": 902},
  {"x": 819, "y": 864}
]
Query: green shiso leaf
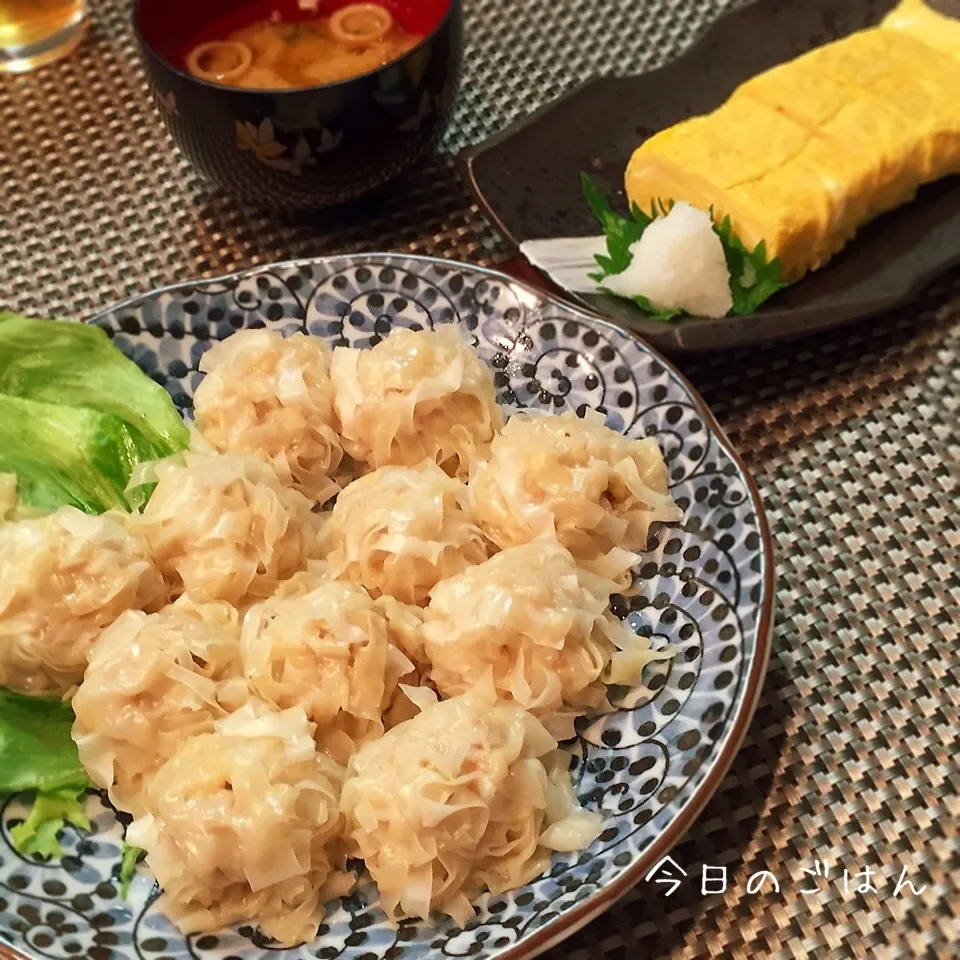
[
  {"x": 76, "y": 365},
  {"x": 621, "y": 233},
  {"x": 753, "y": 278},
  {"x": 71, "y": 456}
]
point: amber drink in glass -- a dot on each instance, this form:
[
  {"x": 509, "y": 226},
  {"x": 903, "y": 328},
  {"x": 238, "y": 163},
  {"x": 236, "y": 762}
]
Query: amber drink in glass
[{"x": 34, "y": 32}]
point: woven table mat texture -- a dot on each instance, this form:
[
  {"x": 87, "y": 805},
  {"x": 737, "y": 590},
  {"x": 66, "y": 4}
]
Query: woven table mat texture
[{"x": 851, "y": 761}]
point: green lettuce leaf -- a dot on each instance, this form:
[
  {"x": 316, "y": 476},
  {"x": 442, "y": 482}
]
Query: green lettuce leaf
[
  {"x": 128, "y": 866},
  {"x": 36, "y": 750},
  {"x": 753, "y": 278},
  {"x": 76, "y": 365},
  {"x": 65, "y": 455},
  {"x": 52, "y": 811},
  {"x": 37, "y": 754},
  {"x": 76, "y": 417}
]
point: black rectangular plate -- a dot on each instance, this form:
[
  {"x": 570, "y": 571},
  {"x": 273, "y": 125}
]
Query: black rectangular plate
[{"x": 527, "y": 178}]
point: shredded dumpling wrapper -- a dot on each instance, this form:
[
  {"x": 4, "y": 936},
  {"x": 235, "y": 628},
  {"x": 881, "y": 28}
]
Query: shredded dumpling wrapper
[
  {"x": 63, "y": 579},
  {"x": 404, "y": 627},
  {"x": 327, "y": 651},
  {"x": 539, "y": 627},
  {"x": 223, "y": 527},
  {"x": 243, "y": 823},
  {"x": 455, "y": 801},
  {"x": 572, "y": 478},
  {"x": 415, "y": 396},
  {"x": 399, "y": 531},
  {"x": 405, "y": 632},
  {"x": 315, "y": 574},
  {"x": 152, "y": 684},
  {"x": 272, "y": 397}
]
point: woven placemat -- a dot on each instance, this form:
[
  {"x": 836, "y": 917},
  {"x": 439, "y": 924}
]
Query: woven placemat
[{"x": 853, "y": 436}]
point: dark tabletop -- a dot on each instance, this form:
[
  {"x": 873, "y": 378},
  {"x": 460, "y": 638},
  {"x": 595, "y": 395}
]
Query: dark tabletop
[{"x": 853, "y": 437}]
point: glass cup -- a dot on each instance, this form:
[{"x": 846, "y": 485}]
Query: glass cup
[{"x": 34, "y": 32}]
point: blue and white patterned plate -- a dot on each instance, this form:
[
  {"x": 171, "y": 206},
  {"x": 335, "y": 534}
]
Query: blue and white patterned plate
[{"x": 649, "y": 767}]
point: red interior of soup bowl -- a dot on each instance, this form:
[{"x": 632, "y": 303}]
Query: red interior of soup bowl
[{"x": 172, "y": 26}]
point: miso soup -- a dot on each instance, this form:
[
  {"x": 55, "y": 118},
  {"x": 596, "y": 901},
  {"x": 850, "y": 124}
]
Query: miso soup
[{"x": 284, "y": 45}]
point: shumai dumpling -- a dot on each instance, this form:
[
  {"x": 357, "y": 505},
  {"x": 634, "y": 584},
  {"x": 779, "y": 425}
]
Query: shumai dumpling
[
  {"x": 271, "y": 397},
  {"x": 572, "y": 478},
  {"x": 415, "y": 396},
  {"x": 153, "y": 682},
  {"x": 63, "y": 578},
  {"x": 223, "y": 527},
  {"x": 329, "y": 652},
  {"x": 468, "y": 795},
  {"x": 540, "y": 626},
  {"x": 242, "y": 824},
  {"x": 401, "y": 530}
]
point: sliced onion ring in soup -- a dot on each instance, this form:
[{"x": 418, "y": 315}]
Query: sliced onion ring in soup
[
  {"x": 220, "y": 61},
  {"x": 360, "y": 24}
]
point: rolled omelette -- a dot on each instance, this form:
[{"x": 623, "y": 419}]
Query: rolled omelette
[
  {"x": 924, "y": 23},
  {"x": 803, "y": 155}
]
